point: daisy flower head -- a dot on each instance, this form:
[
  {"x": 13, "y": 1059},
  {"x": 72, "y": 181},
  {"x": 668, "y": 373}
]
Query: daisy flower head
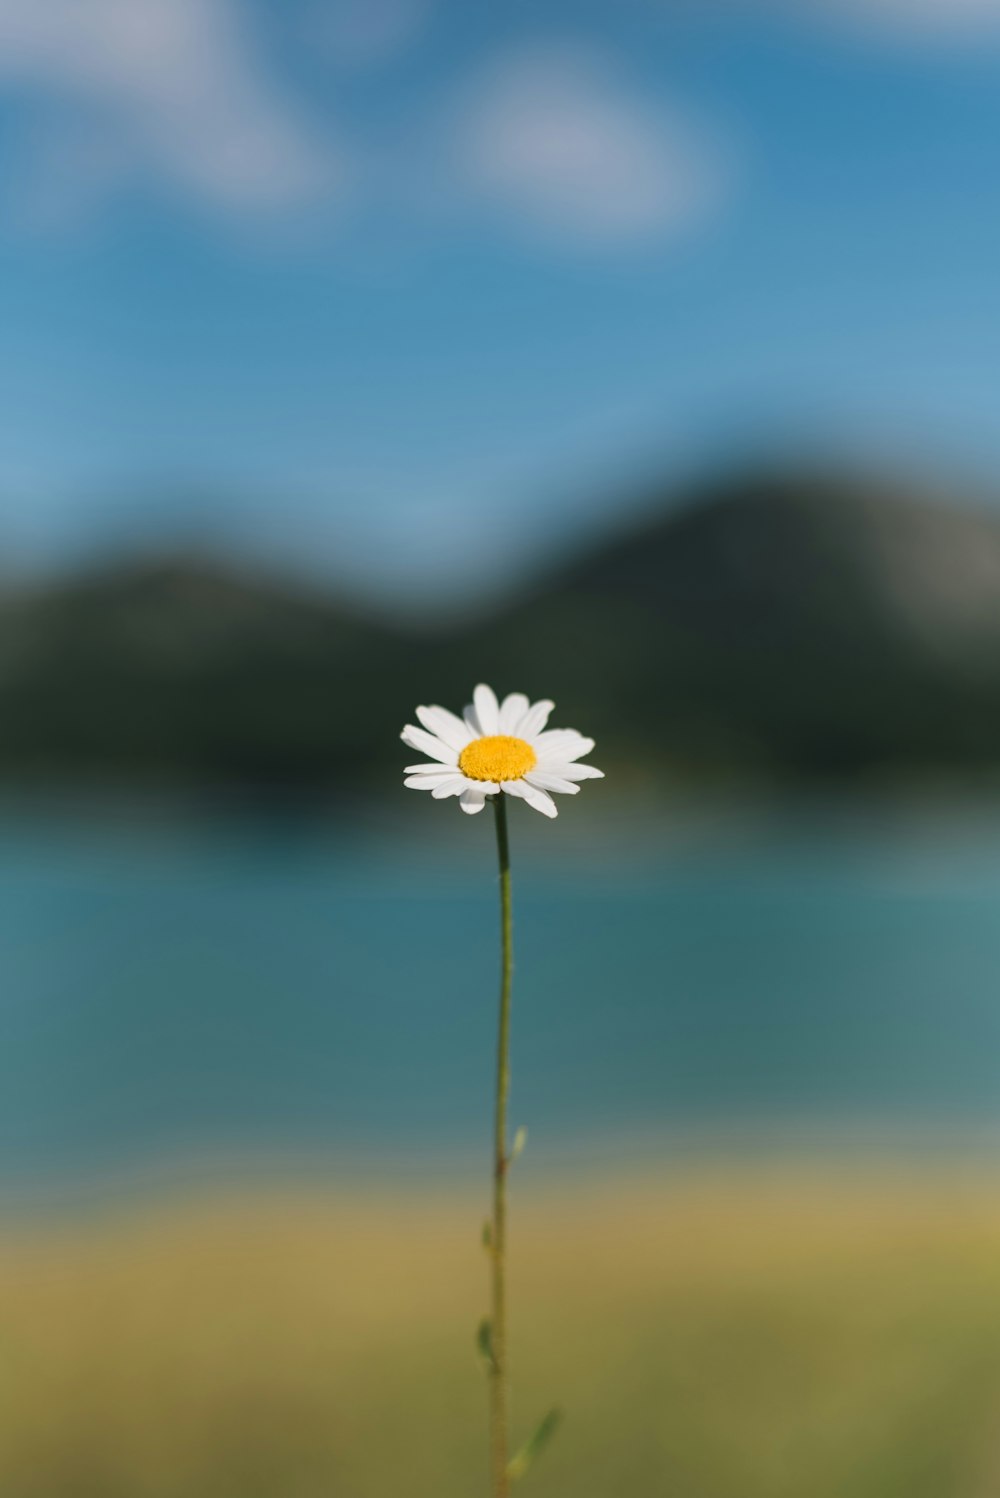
[{"x": 497, "y": 747}]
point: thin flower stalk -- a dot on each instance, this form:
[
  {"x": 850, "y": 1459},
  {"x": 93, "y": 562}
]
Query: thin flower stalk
[
  {"x": 495, "y": 751},
  {"x": 501, "y": 1160}
]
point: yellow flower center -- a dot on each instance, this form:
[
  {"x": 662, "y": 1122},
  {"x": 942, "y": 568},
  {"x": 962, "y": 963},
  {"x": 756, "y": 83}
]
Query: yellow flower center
[{"x": 498, "y": 757}]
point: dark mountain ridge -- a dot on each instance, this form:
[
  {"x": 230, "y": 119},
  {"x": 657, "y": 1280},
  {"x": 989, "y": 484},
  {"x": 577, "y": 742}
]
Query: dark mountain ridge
[{"x": 786, "y": 625}]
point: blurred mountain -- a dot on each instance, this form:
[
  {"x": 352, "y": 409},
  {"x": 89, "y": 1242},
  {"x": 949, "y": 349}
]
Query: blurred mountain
[
  {"x": 787, "y": 626},
  {"x": 799, "y": 624},
  {"x": 182, "y": 667}
]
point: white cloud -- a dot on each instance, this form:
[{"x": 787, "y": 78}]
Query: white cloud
[
  {"x": 933, "y": 15},
  {"x": 169, "y": 89},
  {"x": 555, "y": 142},
  {"x": 934, "y": 20},
  {"x": 174, "y": 96},
  {"x": 362, "y": 33}
]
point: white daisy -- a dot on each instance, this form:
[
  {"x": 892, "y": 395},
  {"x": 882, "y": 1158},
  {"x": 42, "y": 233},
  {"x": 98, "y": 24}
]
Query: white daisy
[{"x": 497, "y": 746}]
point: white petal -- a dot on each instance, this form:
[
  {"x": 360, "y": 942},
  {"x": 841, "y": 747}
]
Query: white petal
[
  {"x": 426, "y": 782},
  {"x": 484, "y": 787},
  {"x": 573, "y": 772},
  {"x": 546, "y": 781},
  {"x": 563, "y": 744},
  {"x": 512, "y": 710},
  {"x": 453, "y": 786},
  {"x": 449, "y": 729},
  {"x": 472, "y": 801},
  {"x": 487, "y": 710},
  {"x": 540, "y": 800},
  {"x": 535, "y": 719},
  {"x": 426, "y": 743}
]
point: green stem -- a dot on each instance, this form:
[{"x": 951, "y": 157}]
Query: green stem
[{"x": 498, "y": 1370}]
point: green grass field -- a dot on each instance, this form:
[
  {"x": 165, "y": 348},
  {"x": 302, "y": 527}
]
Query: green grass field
[{"x": 709, "y": 1336}]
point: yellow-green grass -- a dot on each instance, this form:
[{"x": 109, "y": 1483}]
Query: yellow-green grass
[{"x": 750, "y": 1335}]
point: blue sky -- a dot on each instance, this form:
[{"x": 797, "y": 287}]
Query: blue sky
[{"x": 414, "y": 291}]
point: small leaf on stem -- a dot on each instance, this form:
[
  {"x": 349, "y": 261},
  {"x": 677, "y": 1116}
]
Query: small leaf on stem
[
  {"x": 520, "y": 1140},
  {"x": 534, "y": 1445},
  {"x": 484, "y": 1342}
]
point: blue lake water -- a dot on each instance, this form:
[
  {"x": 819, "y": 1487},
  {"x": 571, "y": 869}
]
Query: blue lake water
[{"x": 181, "y": 985}]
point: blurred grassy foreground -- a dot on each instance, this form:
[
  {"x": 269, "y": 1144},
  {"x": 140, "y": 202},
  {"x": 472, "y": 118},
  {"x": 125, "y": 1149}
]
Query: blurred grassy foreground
[{"x": 709, "y": 1336}]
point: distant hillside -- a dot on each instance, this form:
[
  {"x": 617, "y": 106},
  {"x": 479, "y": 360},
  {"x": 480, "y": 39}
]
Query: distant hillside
[
  {"x": 796, "y": 624},
  {"x": 788, "y": 626},
  {"x": 184, "y": 669}
]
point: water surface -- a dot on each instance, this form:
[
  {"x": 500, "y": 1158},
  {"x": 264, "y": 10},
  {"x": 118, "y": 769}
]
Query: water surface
[{"x": 177, "y": 984}]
